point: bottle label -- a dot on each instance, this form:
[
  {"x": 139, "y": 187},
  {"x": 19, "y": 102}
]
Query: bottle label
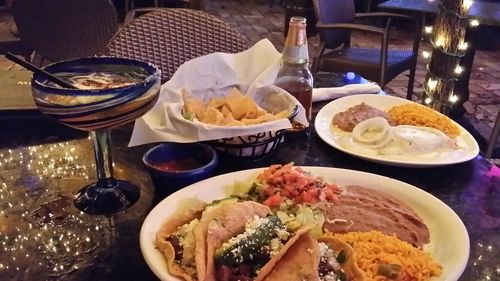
[{"x": 298, "y": 54}]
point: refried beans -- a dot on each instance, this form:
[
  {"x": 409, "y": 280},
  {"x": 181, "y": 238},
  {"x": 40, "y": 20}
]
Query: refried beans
[
  {"x": 348, "y": 119},
  {"x": 362, "y": 209}
]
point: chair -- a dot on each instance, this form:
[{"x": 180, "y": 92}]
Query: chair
[
  {"x": 336, "y": 21},
  {"x": 493, "y": 138},
  {"x": 191, "y": 4},
  {"x": 62, "y": 29},
  {"x": 169, "y": 37}
]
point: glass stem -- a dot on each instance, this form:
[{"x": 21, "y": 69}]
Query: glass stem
[{"x": 104, "y": 164}]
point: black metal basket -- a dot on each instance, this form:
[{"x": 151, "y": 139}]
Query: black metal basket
[{"x": 252, "y": 147}]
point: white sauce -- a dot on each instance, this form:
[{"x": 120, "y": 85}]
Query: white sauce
[{"x": 375, "y": 137}]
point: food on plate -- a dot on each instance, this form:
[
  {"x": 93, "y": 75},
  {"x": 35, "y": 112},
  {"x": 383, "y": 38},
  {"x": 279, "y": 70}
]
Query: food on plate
[
  {"x": 280, "y": 182},
  {"x": 385, "y": 257},
  {"x": 184, "y": 240},
  {"x": 376, "y": 134},
  {"x": 176, "y": 241},
  {"x": 251, "y": 252},
  {"x": 348, "y": 119},
  {"x": 324, "y": 259},
  {"x": 308, "y": 229},
  {"x": 236, "y": 109},
  {"x": 363, "y": 209},
  {"x": 419, "y": 115}
]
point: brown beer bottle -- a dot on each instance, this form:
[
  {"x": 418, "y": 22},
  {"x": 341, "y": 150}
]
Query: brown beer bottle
[{"x": 294, "y": 75}]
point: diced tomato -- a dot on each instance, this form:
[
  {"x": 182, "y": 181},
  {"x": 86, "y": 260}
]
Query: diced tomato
[
  {"x": 286, "y": 181},
  {"x": 273, "y": 201},
  {"x": 311, "y": 195}
]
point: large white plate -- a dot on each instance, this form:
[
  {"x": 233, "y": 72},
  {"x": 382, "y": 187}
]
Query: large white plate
[
  {"x": 449, "y": 239},
  {"x": 331, "y": 135}
]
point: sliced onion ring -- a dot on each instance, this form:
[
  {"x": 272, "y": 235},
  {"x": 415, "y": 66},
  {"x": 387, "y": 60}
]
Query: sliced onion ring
[{"x": 379, "y": 139}]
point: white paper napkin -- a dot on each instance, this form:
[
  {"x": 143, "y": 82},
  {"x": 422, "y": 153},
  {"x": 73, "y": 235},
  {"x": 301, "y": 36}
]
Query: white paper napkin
[
  {"x": 253, "y": 71},
  {"x": 321, "y": 94}
]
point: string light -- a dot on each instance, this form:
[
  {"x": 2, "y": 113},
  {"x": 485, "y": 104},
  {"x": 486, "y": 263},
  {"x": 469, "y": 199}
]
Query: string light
[
  {"x": 440, "y": 41},
  {"x": 459, "y": 69},
  {"x": 453, "y": 98},
  {"x": 431, "y": 84},
  {"x": 468, "y": 4},
  {"x": 463, "y": 46},
  {"x": 428, "y": 29},
  {"x": 428, "y": 100},
  {"x": 426, "y": 54},
  {"x": 474, "y": 23}
]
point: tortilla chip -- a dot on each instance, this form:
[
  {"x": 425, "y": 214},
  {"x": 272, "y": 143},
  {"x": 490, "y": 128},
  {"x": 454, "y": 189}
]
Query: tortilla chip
[
  {"x": 167, "y": 229},
  {"x": 240, "y": 105},
  {"x": 212, "y": 116}
]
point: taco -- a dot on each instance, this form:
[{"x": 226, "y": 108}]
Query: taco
[
  {"x": 176, "y": 241},
  {"x": 325, "y": 259},
  {"x": 182, "y": 239},
  {"x": 246, "y": 249},
  {"x": 231, "y": 217}
]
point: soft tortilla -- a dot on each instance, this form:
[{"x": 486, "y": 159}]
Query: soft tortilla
[
  {"x": 167, "y": 229},
  {"x": 218, "y": 226},
  {"x": 301, "y": 261}
]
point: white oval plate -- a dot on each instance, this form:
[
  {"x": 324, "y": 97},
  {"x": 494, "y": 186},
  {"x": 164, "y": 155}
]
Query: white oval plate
[
  {"x": 331, "y": 135},
  {"x": 449, "y": 239}
]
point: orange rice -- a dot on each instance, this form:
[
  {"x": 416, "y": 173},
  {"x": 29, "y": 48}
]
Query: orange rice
[
  {"x": 374, "y": 248},
  {"x": 419, "y": 115}
]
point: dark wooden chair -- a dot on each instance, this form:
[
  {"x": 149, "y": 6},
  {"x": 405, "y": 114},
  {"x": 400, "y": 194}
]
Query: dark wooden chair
[
  {"x": 493, "y": 138},
  {"x": 169, "y": 37},
  {"x": 336, "y": 20},
  {"x": 62, "y": 29}
]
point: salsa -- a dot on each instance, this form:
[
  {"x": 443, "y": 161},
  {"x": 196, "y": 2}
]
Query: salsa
[
  {"x": 178, "y": 165},
  {"x": 278, "y": 183}
]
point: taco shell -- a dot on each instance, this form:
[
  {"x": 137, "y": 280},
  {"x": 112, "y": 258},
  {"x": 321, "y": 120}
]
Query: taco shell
[
  {"x": 166, "y": 247},
  {"x": 301, "y": 261}
]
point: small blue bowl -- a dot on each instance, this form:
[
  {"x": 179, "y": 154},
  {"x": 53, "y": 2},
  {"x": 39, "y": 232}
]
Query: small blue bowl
[{"x": 167, "y": 181}]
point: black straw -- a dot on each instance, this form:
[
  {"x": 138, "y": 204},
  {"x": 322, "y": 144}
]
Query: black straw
[{"x": 40, "y": 71}]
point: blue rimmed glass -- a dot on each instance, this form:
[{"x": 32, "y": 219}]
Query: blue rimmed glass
[{"x": 97, "y": 111}]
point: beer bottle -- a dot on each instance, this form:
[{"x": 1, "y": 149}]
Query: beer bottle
[{"x": 294, "y": 75}]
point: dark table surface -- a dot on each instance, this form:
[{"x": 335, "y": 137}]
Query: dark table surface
[{"x": 43, "y": 237}]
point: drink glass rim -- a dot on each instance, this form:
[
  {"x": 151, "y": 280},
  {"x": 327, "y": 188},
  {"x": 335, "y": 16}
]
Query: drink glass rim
[{"x": 153, "y": 71}]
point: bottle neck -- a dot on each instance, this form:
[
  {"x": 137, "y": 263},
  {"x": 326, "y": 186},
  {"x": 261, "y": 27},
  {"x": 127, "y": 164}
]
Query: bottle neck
[{"x": 296, "y": 51}]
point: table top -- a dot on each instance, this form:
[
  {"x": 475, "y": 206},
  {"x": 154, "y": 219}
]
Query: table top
[
  {"x": 43, "y": 236},
  {"x": 486, "y": 12}
]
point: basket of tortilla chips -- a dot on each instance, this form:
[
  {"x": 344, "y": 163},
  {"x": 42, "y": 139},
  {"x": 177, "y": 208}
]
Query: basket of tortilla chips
[{"x": 237, "y": 111}]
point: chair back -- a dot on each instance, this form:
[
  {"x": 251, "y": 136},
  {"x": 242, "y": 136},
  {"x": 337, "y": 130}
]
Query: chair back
[
  {"x": 63, "y": 29},
  {"x": 169, "y": 37},
  {"x": 334, "y": 11}
]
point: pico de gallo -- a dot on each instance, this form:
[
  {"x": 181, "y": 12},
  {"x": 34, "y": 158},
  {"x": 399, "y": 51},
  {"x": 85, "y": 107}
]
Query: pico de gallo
[{"x": 281, "y": 182}]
